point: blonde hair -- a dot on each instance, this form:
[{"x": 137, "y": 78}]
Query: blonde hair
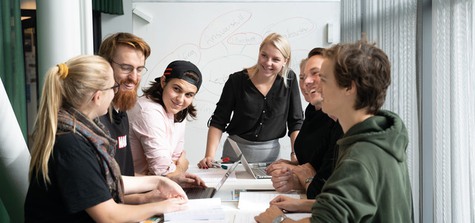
[
  {"x": 303, "y": 62},
  {"x": 281, "y": 43},
  {"x": 72, "y": 83}
]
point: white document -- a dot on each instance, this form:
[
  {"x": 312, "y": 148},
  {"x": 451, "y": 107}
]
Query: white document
[
  {"x": 208, "y": 209},
  {"x": 252, "y": 204},
  {"x": 258, "y": 201},
  {"x": 248, "y": 216}
]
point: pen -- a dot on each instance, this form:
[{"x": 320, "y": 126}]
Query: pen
[
  {"x": 218, "y": 163},
  {"x": 220, "y": 166}
]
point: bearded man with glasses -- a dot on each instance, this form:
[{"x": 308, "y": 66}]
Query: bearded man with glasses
[{"x": 126, "y": 54}]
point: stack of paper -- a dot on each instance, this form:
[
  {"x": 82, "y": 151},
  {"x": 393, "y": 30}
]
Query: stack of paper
[
  {"x": 208, "y": 209},
  {"x": 259, "y": 201},
  {"x": 248, "y": 216},
  {"x": 253, "y": 203}
]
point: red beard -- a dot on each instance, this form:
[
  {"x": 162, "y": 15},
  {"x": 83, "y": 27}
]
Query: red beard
[{"x": 125, "y": 100}]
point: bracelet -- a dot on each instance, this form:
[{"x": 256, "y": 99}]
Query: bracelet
[{"x": 292, "y": 153}]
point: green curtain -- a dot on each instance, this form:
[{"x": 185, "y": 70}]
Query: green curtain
[
  {"x": 108, "y": 6},
  {"x": 12, "y": 71},
  {"x": 12, "y": 68},
  {"x": 3, "y": 213}
]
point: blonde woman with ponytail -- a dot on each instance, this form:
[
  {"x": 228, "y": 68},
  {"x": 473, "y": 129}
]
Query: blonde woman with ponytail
[{"x": 73, "y": 174}]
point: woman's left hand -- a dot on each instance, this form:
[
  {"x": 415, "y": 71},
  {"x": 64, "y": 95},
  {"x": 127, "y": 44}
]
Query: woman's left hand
[{"x": 169, "y": 189}]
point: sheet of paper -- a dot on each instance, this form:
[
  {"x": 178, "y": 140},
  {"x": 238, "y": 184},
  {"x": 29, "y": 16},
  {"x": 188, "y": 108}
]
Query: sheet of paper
[
  {"x": 198, "y": 209},
  {"x": 258, "y": 201},
  {"x": 248, "y": 216}
]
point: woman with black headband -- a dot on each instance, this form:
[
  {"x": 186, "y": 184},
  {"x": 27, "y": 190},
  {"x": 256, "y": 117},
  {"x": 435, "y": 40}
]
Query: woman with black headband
[{"x": 158, "y": 121}]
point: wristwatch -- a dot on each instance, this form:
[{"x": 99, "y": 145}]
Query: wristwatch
[
  {"x": 308, "y": 180},
  {"x": 279, "y": 219}
]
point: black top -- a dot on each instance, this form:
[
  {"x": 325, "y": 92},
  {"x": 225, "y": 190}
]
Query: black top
[
  {"x": 315, "y": 144},
  {"x": 119, "y": 130},
  {"x": 77, "y": 183},
  {"x": 256, "y": 117}
]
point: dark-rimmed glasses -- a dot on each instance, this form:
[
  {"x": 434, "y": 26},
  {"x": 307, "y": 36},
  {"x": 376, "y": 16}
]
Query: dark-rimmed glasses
[
  {"x": 127, "y": 68},
  {"x": 115, "y": 88}
]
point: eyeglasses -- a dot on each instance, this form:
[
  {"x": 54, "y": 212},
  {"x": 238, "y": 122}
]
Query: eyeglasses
[
  {"x": 127, "y": 68},
  {"x": 115, "y": 88}
]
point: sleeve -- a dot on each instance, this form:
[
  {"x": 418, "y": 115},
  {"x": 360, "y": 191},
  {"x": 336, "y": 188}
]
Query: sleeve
[
  {"x": 348, "y": 195},
  {"x": 150, "y": 127},
  {"x": 79, "y": 176},
  {"x": 325, "y": 168},
  {"x": 179, "y": 137},
  {"x": 295, "y": 116},
  {"x": 225, "y": 106}
]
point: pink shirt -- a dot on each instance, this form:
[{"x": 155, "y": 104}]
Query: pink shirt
[{"x": 156, "y": 141}]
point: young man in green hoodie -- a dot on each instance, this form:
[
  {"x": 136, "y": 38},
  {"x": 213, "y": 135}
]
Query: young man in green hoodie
[{"x": 370, "y": 182}]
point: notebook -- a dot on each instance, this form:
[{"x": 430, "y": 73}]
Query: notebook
[
  {"x": 258, "y": 171},
  {"x": 209, "y": 192}
]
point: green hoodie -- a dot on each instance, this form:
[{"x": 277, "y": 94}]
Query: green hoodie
[{"x": 370, "y": 182}]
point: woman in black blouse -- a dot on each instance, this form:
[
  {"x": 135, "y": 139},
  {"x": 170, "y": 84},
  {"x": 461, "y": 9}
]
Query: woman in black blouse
[{"x": 257, "y": 106}]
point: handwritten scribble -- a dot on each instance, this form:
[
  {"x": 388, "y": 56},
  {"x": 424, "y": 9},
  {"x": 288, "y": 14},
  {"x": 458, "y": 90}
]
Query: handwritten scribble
[
  {"x": 222, "y": 27},
  {"x": 293, "y": 27},
  {"x": 189, "y": 52},
  {"x": 217, "y": 75},
  {"x": 245, "y": 39}
]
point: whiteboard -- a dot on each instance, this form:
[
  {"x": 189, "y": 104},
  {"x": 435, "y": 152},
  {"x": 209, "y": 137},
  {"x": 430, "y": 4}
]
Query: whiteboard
[{"x": 224, "y": 37}]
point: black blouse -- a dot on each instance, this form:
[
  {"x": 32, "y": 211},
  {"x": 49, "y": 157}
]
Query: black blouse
[
  {"x": 256, "y": 117},
  {"x": 315, "y": 144}
]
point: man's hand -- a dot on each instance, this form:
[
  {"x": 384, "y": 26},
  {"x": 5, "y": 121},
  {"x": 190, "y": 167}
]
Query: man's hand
[
  {"x": 269, "y": 215},
  {"x": 304, "y": 172},
  {"x": 186, "y": 180},
  {"x": 286, "y": 182},
  {"x": 289, "y": 204},
  {"x": 282, "y": 178},
  {"x": 278, "y": 168}
]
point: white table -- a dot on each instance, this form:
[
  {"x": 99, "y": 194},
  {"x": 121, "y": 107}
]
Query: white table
[{"x": 242, "y": 180}]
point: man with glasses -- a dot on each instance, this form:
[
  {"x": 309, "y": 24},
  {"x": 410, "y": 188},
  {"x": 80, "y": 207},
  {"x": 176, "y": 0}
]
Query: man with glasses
[{"x": 127, "y": 54}]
